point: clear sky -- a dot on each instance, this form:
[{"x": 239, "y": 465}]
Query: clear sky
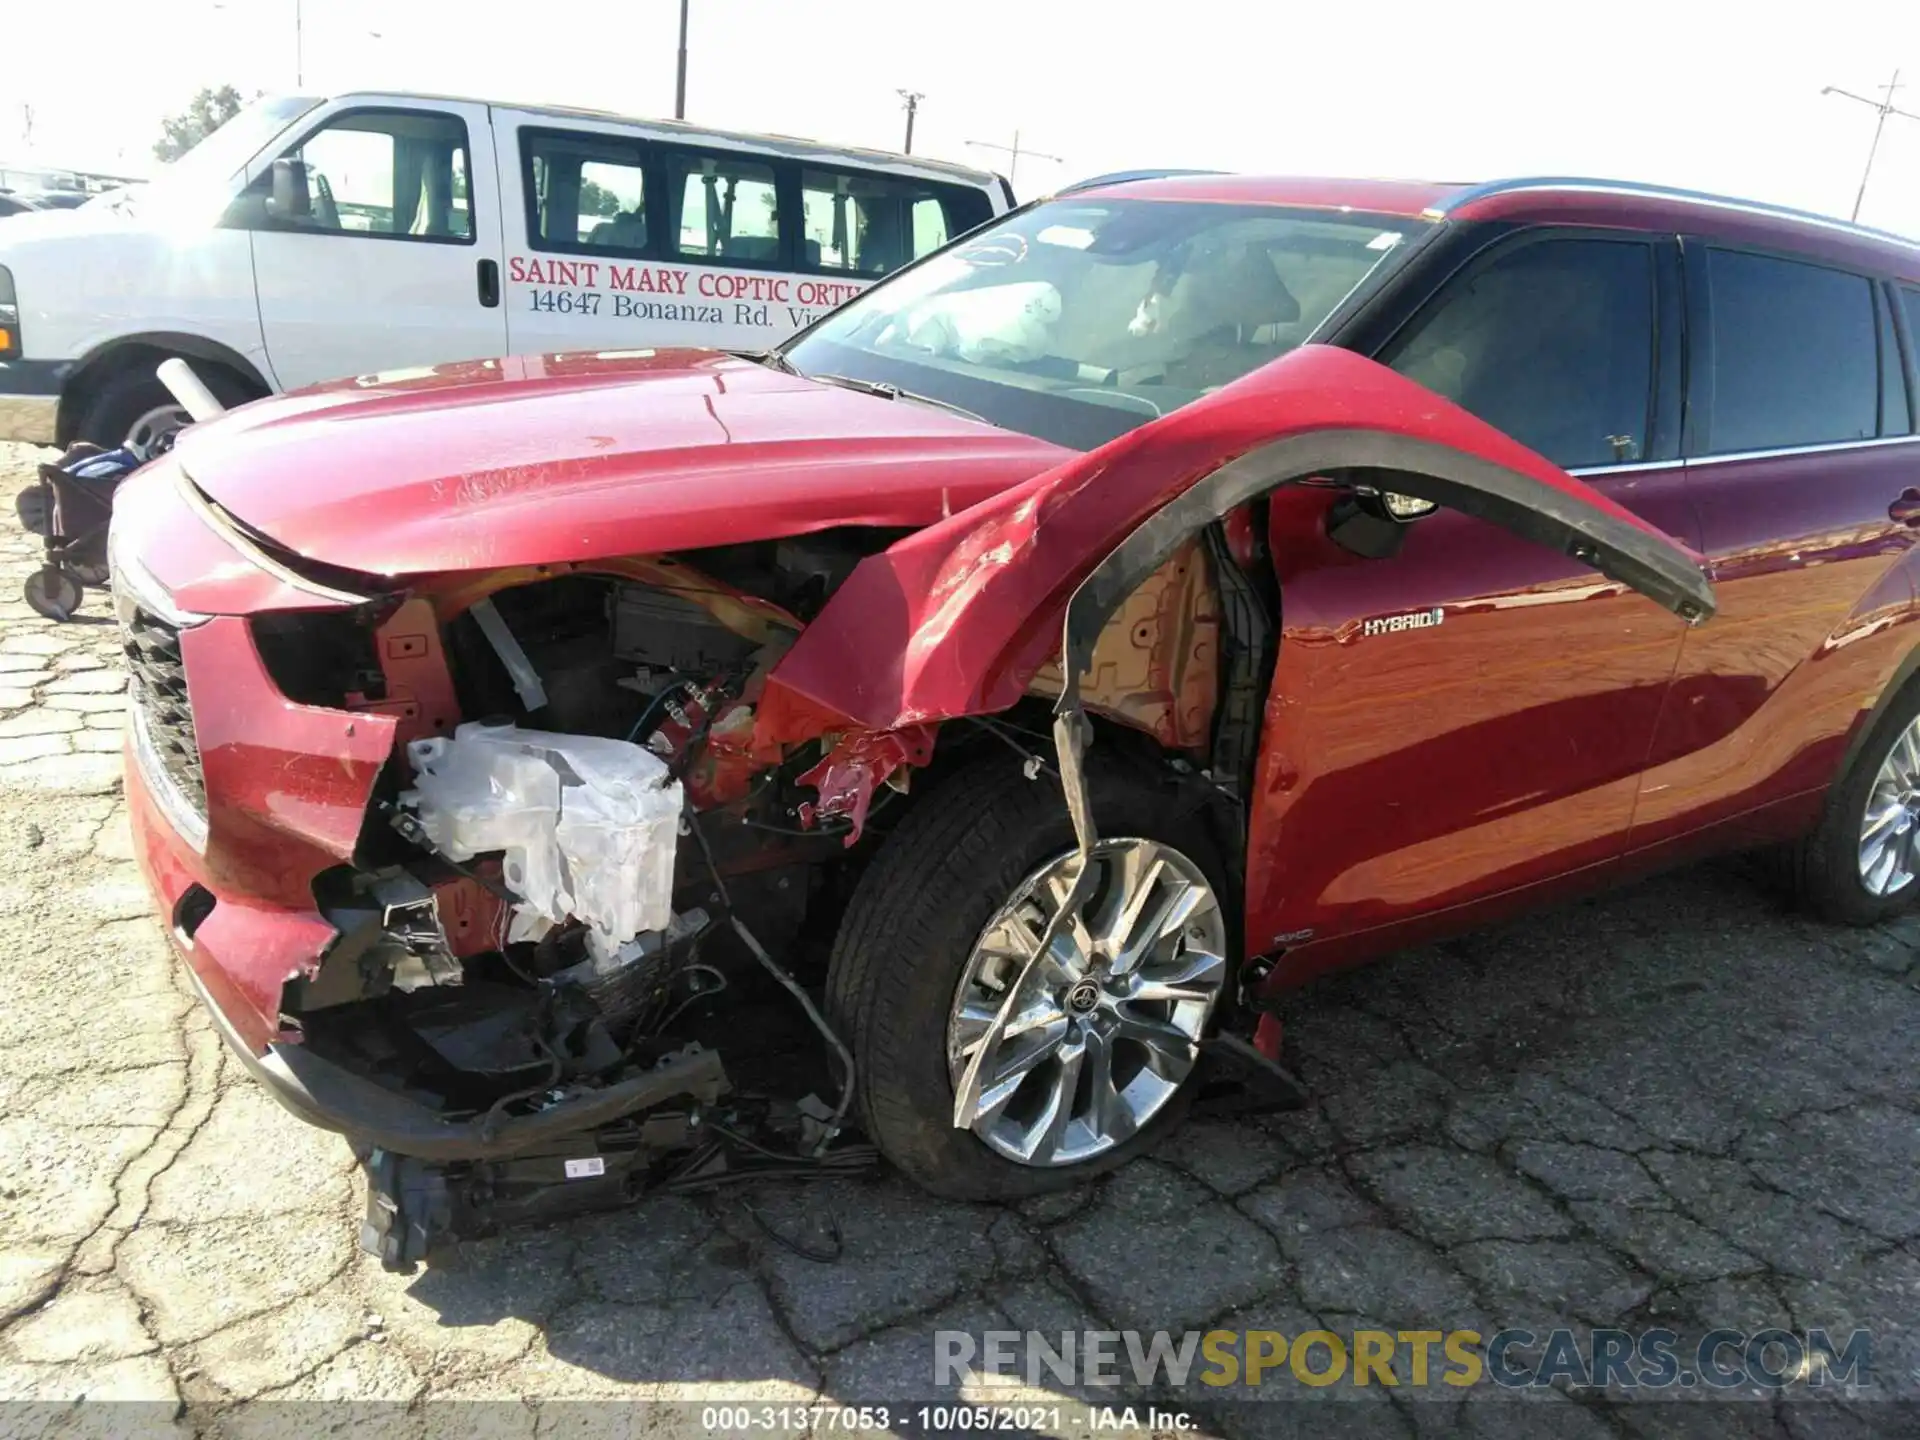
[{"x": 1706, "y": 93}]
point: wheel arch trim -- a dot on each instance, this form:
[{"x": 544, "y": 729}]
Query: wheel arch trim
[
  {"x": 1902, "y": 678},
  {"x": 106, "y": 357}
]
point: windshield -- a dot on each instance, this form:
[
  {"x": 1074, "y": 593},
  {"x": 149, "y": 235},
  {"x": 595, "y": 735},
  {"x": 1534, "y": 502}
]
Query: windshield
[
  {"x": 205, "y": 169},
  {"x": 1078, "y": 320}
]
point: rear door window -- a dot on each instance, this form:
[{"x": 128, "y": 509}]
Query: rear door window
[
  {"x": 728, "y": 208},
  {"x": 1552, "y": 342},
  {"x": 1794, "y": 355},
  {"x": 585, "y": 192}
]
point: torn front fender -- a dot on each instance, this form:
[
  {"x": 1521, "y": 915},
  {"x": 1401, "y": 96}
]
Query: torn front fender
[
  {"x": 847, "y": 777},
  {"x": 956, "y": 619}
]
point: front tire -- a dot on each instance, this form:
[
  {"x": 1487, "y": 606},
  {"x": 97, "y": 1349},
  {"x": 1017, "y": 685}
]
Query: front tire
[
  {"x": 132, "y": 408},
  {"x": 1100, "y": 1063},
  {"x": 1862, "y": 866}
]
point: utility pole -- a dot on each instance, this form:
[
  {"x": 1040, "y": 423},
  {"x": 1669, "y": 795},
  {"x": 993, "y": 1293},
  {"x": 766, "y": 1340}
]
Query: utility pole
[
  {"x": 299, "y": 50},
  {"x": 1882, "y": 108},
  {"x": 912, "y": 99},
  {"x": 680, "y": 84},
  {"x": 1013, "y": 153},
  {"x": 26, "y": 126}
]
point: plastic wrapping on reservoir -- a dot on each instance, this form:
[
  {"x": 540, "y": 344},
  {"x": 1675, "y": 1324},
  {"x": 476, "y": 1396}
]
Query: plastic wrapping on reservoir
[{"x": 588, "y": 825}]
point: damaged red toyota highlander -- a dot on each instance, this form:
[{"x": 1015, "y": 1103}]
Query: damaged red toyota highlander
[{"x": 1170, "y": 592}]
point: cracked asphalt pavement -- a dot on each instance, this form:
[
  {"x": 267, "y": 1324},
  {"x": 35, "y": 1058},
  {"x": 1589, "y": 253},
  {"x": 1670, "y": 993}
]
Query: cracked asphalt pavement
[{"x": 1678, "y": 1104}]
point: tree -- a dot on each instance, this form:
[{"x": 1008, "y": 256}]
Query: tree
[
  {"x": 598, "y": 200},
  {"x": 209, "y": 110}
]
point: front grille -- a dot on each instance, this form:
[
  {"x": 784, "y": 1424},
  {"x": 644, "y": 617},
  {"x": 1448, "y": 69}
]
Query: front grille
[{"x": 159, "y": 689}]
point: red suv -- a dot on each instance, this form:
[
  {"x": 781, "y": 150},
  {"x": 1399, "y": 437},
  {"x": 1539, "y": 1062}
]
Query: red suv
[{"x": 1170, "y": 592}]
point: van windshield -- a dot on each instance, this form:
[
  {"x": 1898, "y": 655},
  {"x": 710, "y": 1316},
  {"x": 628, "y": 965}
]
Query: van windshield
[
  {"x": 205, "y": 169},
  {"x": 1078, "y": 320}
]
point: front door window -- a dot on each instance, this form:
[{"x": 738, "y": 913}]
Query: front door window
[
  {"x": 400, "y": 175},
  {"x": 1552, "y": 343}
]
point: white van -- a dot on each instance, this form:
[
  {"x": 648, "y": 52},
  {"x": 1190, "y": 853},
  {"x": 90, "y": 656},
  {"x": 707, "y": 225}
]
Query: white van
[{"x": 308, "y": 239}]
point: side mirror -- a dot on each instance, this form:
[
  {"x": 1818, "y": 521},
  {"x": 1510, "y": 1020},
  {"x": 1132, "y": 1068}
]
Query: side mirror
[
  {"x": 1405, "y": 507},
  {"x": 289, "y": 200},
  {"x": 1372, "y": 522}
]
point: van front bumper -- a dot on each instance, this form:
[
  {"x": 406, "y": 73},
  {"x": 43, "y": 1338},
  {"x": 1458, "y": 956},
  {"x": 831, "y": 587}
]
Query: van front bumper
[{"x": 30, "y": 399}]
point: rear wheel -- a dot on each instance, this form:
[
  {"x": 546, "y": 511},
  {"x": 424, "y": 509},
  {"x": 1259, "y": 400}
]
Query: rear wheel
[
  {"x": 1094, "y": 1059},
  {"x": 1863, "y": 864}
]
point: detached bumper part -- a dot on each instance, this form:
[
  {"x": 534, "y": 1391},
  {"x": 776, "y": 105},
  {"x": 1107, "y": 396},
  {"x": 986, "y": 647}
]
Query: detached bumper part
[
  {"x": 415, "y": 1206},
  {"x": 323, "y": 1094},
  {"x": 570, "y": 1158},
  {"x": 409, "y": 1209}
]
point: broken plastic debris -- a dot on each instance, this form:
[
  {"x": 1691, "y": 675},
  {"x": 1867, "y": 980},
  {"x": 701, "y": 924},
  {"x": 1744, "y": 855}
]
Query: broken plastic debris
[
  {"x": 603, "y": 965},
  {"x": 587, "y": 825},
  {"x": 816, "y": 1121}
]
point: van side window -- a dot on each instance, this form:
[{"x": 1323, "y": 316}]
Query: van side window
[
  {"x": 1795, "y": 354},
  {"x": 397, "y": 174},
  {"x": 930, "y": 229},
  {"x": 585, "y": 192},
  {"x": 728, "y": 209},
  {"x": 1552, "y": 342},
  {"x": 867, "y": 224}
]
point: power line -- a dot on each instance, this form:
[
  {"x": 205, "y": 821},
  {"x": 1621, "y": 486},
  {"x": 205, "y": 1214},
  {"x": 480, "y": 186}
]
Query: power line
[
  {"x": 1014, "y": 152},
  {"x": 1883, "y": 108}
]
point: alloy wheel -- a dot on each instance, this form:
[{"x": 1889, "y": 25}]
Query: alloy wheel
[
  {"x": 1106, "y": 1025},
  {"x": 154, "y": 431},
  {"x": 1890, "y": 825}
]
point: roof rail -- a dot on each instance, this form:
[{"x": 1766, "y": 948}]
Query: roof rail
[
  {"x": 1122, "y": 177},
  {"x": 1672, "y": 192}
]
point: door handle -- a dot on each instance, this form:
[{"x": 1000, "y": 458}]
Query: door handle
[
  {"x": 1906, "y": 510},
  {"x": 490, "y": 284}
]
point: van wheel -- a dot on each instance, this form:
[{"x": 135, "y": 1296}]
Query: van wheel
[
  {"x": 132, "y": 408},
  {"x": 1862, "y": 865},
  {"x": 1098, "y": 1060}
]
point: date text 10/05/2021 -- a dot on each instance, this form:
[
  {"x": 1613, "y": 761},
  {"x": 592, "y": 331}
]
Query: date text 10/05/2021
[
  {"x": 605, "y": 289},
  {"x": 941, "y": 1418}
]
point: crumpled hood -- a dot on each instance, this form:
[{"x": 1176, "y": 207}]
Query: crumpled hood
[{"x": 540, "y": 459}]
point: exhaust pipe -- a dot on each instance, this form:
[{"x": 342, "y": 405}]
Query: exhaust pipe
[{"x": 188, "y": 389}]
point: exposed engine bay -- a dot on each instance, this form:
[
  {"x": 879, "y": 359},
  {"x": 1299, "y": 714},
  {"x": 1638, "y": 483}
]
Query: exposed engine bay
[
  {"x": 549, "y": 902},
  {"x": 568, "y": 908}
]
